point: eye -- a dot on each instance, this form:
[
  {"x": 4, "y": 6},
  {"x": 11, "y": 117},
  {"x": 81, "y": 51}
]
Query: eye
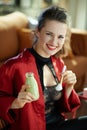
[
  {"x": 48, "y": 33},
  {"x": 61, "y": 37}
]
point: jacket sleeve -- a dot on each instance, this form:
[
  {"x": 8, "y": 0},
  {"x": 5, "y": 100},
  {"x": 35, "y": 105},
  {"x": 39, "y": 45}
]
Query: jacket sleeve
[
  {"x": 6, "y": 97},
  {"x": 68, "y": 104}
]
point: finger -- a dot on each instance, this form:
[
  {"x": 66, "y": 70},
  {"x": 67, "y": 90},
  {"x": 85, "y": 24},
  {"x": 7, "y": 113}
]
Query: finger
[
  {"x": 26, "y": 96},
  {"x": 69, "y": 77},
  {"x": 23, "y": 101},
  {"x": 30, "y": 95},
  {"x": 68, "y": 74},
  {"x": 23, "y": 88}
]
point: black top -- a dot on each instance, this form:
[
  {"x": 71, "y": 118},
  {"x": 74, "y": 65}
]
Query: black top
[{"x": 50, "y": 93}]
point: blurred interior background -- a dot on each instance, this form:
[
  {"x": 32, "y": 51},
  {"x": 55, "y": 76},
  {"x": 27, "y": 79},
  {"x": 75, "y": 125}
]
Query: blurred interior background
[
  {"x": 15, "y": 34},
  {"x": 15, "y": 28},
  {"x": 76, "y": 8}
]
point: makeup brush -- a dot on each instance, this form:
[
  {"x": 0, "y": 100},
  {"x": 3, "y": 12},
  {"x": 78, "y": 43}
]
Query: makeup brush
[{"x": 59, "y": 86}]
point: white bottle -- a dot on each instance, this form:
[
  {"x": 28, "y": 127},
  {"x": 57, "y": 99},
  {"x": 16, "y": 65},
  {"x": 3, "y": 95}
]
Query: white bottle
[{"x": 33, "y": 86}]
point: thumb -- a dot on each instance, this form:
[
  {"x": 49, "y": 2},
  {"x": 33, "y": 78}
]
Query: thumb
[{"x": 23, "y": 88}]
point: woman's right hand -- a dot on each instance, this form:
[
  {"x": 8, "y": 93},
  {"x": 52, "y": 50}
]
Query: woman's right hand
[{"x": 23, "y": 98}]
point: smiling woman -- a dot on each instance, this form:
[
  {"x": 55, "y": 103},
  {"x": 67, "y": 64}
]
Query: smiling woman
[
  {"x": 50, "y": 38},
  {"x": 17, "y": 104}
]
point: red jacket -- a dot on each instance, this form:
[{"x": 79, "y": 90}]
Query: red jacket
[{"x": 31, "y": 116}]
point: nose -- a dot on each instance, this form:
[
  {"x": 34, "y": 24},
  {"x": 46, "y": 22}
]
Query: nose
[{"x": 55, "y": 40}]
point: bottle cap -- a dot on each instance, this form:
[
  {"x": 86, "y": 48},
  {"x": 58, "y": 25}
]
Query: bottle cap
[{"x": 29, "y": 74}]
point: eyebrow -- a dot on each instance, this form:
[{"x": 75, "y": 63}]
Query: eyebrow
[
  {"x": 53, "y": 33},
  {"x": 48, "y": 31}
]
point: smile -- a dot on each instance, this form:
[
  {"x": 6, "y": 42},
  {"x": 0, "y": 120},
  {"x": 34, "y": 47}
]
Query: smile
[{"x": 50, "y": 47}]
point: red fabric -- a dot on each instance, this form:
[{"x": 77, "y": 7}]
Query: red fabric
[{"x": 31, "y": 116}]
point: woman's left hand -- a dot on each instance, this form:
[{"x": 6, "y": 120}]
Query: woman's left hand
[{"x": 69, "y": 78}]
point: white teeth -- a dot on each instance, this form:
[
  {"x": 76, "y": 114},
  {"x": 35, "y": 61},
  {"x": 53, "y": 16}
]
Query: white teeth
[{"x": 51, "y": 46}]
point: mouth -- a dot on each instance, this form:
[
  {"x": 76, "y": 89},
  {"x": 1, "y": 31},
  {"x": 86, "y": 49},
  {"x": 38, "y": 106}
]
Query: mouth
[{"x": 51, "y": 47}]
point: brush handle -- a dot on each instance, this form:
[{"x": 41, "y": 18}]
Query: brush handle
[{"x": 63, "y": 70}]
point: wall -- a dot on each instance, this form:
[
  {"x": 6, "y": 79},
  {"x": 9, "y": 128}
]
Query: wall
[{"x": 78, "y": 11}]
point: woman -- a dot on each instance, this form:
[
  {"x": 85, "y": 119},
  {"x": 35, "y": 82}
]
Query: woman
[{"x": 19, "y": 107}]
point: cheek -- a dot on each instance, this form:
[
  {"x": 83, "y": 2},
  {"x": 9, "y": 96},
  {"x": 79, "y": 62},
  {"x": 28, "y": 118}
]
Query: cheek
[
  {"x": 41, "y": 38},
  {"x": 48, "y": 39},
  {"x": 62, "y": 42},
  {"x": 44, "y": 39},
  {"x": 60, "y": 46}
]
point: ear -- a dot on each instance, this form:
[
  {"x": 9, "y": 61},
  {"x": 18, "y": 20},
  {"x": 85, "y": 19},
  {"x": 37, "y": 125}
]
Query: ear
[{"x": 37, "y": 32}]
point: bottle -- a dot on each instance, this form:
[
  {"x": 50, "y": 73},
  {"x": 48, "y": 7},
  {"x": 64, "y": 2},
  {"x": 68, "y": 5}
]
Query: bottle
[{"x": 33, "y": 86}]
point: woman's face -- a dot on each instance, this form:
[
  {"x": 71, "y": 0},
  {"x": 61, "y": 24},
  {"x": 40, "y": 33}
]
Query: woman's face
[{"x": 51, "y": 38}]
